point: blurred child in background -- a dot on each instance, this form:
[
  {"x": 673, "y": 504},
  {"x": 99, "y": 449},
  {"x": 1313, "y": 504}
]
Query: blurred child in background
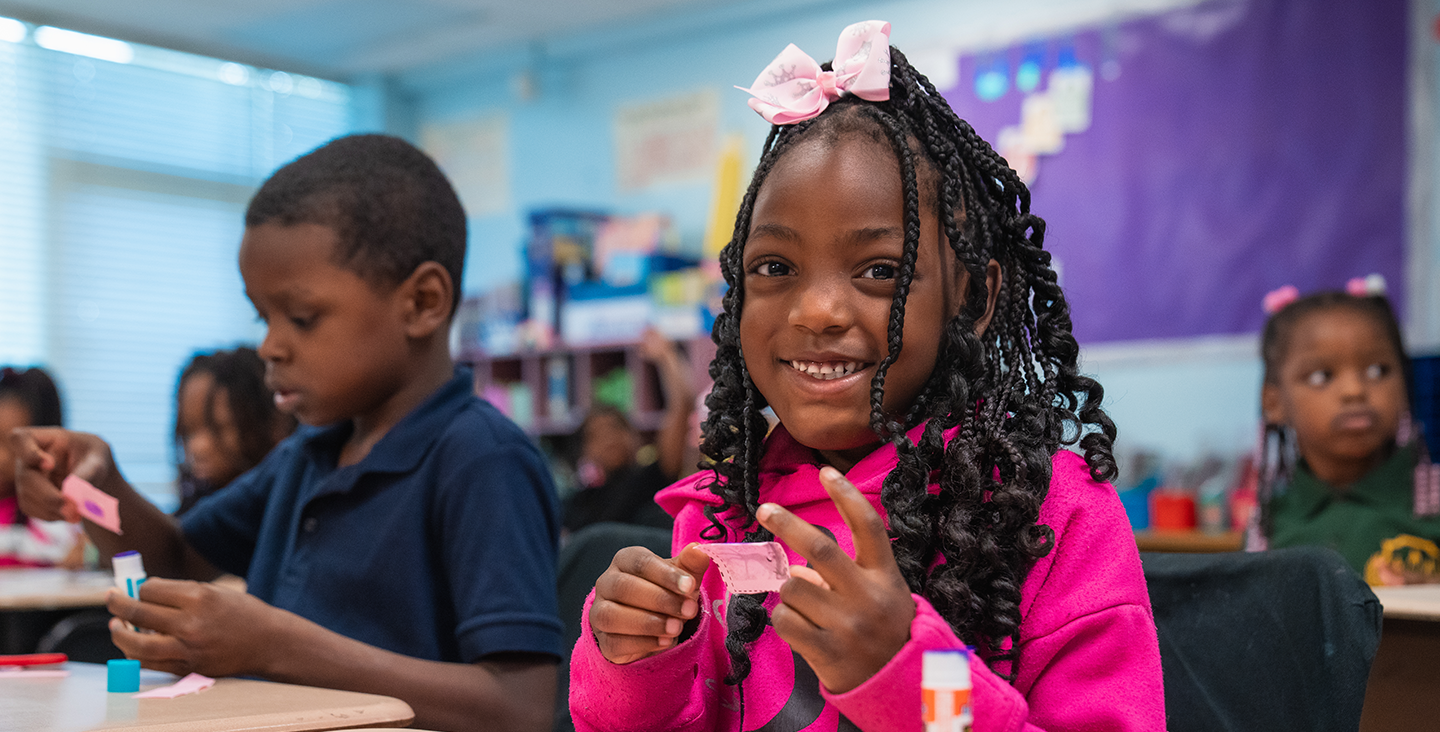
[
  {"x": 615, "y": 483},
  {"x": 1343, "y": 466},
  {"x": 225, "y": 421},
  {"x": 29, "y": 398}
]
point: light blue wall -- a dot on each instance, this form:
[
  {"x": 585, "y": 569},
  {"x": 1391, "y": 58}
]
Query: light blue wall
[{"x": 1183, "y": 399}]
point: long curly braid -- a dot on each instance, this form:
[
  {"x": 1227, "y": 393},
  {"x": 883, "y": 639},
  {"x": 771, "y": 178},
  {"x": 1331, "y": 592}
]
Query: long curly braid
[{"x": 1014, "y": 393}]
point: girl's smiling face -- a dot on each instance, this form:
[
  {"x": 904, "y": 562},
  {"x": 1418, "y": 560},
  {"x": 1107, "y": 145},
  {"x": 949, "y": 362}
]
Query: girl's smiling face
[
  {"x": 825, "y": 243},
  {"x": 1340, "y": 387}
]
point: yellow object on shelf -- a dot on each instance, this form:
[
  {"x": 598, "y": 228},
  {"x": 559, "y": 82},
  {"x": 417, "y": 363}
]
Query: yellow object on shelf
[{"x": 725, "y": 202}]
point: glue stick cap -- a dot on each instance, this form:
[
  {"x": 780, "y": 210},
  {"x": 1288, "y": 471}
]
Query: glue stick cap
[
  {"x": 128, "y": 564},
  {"x": 122, "y": 675},
  {"x": 948, "y": 669}
]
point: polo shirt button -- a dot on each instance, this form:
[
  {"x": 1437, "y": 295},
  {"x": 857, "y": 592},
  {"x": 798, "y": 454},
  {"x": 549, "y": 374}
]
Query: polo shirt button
[{"x": 310, "y": 524}]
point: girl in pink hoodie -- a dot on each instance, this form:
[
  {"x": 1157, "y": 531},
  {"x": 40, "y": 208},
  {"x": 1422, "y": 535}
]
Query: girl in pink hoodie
[{"x": 922, "y": 494}]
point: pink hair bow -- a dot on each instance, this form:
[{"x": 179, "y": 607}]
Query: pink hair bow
[
  {"x": 793, "y": 88},
  {"x": 1371, "y": 286},
  {"x": 1276, "y": 299}
]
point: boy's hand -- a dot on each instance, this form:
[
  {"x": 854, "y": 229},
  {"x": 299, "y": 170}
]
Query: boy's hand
[
  {"x": 200, "y": 628},
  {"x": 853, "y": 623},
  {"x": 44, "y": 456},
  {"x": 642, "y": 602}
]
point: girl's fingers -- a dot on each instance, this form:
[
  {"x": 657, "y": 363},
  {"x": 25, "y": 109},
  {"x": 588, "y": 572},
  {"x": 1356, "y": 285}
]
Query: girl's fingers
[
  {"x": 629, "y": 648},
  {"x": 872, "y": 542},
  {"x": 642, "y": 594},
  {"x": 809, "y": 575},
  {"x": 614, "y": 618},
  {"x": 643, "y": 563},
  {"x": 824, "y": 555}
]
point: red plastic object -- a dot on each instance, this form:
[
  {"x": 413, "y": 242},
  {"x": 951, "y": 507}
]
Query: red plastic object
[
  {"x": 34, "y": 659},
  {"x": 1172, "y": 510}
]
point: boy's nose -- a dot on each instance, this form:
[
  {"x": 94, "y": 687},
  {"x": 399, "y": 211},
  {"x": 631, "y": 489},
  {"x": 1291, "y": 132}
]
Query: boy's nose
[{"x": 271, "y": 349}]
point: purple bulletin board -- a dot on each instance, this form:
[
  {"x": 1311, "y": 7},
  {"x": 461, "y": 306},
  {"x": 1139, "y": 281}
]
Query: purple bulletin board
[{"x": 1234, "y": 147}]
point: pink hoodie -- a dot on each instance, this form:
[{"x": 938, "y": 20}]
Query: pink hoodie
[{"x": 1090, "y": 659}]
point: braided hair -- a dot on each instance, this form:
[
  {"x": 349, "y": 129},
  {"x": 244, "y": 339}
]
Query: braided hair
[
  {"x": 1279, "y": 451},
  {"x": 239, "y": 375},
  {"x": 1014, "y": 394}
]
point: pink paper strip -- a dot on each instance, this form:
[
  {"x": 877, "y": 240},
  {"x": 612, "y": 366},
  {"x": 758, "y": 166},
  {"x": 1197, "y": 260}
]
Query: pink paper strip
[
  {"x": 188, "y": 685},
  {"x": 748, "y": 568},
  {"x": 93, "y": 503},
  {"x": 16, "y": 672}
]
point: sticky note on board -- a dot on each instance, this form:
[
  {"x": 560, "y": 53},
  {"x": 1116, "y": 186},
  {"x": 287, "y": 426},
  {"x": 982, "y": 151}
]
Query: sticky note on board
[
  {"x": 748, "y": 568},
  {"x": 93, "y": 503}
]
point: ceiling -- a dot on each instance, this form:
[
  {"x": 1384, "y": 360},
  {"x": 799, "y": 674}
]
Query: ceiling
[{"x": 340, "y": 38}]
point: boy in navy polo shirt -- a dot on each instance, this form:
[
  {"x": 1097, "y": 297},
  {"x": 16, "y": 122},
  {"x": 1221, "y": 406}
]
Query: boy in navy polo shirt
[{"x": 403, "y": 542}]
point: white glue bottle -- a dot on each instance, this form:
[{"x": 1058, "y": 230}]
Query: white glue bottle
[
  {"x": 945, "y": 691},
  {"x": 129, "y": 574}
]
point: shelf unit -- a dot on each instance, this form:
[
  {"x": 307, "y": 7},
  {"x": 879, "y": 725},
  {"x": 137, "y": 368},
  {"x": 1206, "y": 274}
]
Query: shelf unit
[{"x": 556, "y": 415}]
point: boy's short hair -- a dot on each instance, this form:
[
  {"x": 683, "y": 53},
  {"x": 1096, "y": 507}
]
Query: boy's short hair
[{"x": 389, "y": 204}]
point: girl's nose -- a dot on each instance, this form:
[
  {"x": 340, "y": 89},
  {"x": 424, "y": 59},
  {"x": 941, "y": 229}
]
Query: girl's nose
[{"x": 823, "y": 304}]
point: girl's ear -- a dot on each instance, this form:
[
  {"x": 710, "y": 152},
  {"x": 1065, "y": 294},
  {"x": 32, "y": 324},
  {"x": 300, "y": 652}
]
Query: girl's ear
[
  {"x": 1272, "y": 407},
  {"x": 992, "y": 287}
]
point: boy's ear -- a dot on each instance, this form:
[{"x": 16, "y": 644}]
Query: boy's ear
[
  {"x": 427, "y": 295},
  {"x": 992, "y": 288},
  {"x": 1272, "y": 407}
]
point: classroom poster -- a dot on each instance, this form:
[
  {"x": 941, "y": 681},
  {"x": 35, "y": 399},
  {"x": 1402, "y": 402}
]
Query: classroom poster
[{"x": 1230, "y": 148}]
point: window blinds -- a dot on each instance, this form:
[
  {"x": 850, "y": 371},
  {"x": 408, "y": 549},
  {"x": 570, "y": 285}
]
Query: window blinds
[{"x": 124, "y": 172}]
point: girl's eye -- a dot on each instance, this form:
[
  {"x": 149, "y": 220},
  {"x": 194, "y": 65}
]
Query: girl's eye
[
  {"x": 879, "y": 272},
  {"x": 772, "y": 269},
  {"x": 1377, "y": 371},
  {"x": 1318, "y": 377}
]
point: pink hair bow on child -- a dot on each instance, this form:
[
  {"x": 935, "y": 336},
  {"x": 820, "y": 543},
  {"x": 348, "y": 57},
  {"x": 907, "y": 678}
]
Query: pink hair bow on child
[
  {"x": 793, "y": 88},
  {"x": 1369, "y": 286},
  {"x": 1276, "y": 299}
]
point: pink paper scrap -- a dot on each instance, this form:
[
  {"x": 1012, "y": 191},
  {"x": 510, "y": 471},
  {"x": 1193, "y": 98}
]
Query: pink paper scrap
[
  {"x": 188, "y": 685},
  {"x": 93, "y": 503},
  {"x": 748, "y": 568}
]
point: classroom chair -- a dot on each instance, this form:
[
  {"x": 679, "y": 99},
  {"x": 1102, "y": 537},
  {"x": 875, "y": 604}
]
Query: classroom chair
[
  {"x": 582, "y": 560},
  {"x": 1262, "y": 641},
  {"x": 83, "y": 636}
]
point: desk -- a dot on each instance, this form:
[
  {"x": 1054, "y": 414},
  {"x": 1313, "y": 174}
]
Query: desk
[
  {"x": 34, "y": 600},
  {"x": 1403, "y": 692},
  {"x": 1189, "y": 541},
  {"x": 80, "y": 702},
  {"x": 52, "y": 589}
]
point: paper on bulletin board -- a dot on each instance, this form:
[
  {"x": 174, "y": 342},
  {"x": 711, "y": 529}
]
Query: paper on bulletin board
[
  {"x": 666, "y": 140},
  {"x": 475, "y": 155}
]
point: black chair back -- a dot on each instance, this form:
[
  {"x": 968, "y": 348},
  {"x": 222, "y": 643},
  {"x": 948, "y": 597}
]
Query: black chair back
[{"x": 1262, "y": 641}]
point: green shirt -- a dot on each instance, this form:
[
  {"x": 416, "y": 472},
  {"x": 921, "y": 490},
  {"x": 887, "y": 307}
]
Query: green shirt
[{"x": 1353, "y": 521}]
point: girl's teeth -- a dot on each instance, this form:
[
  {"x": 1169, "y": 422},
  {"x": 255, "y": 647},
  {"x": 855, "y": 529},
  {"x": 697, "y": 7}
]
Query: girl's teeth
[{"x": 825, "y": 371}]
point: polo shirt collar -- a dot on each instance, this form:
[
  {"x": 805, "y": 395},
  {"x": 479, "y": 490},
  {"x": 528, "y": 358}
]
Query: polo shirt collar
[
  {"x": 1387, "y": 484},
  {"x": 404, "y": 446}
]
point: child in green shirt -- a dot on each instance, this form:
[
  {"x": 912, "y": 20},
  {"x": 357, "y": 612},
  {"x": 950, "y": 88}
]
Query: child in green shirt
[{"x": 1342, "y": 466}]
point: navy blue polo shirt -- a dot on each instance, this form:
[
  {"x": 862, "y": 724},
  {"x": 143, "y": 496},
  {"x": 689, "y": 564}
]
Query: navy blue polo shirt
[{"x": 440, "y": 544}]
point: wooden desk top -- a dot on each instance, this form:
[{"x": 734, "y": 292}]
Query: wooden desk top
[
  {"x": 1189, "y": 541},
  {"x": 51, "y": 589},
  {"x": 1410, "y": 602},
  {"x": 79, "y": 702}
]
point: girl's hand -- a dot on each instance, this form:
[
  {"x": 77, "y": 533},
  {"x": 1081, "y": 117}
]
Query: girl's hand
[
  {"x": 44, "y": 456},
  {"x": 851, "y": 625},
  {"x": 642, "y": 602}
]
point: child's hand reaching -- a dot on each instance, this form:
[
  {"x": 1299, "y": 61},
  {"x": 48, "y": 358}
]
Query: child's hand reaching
[
  {"x": 851, "y": 625},
  {"x": 44, "y": 456},
  {"x": 643, "y": 601}
]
